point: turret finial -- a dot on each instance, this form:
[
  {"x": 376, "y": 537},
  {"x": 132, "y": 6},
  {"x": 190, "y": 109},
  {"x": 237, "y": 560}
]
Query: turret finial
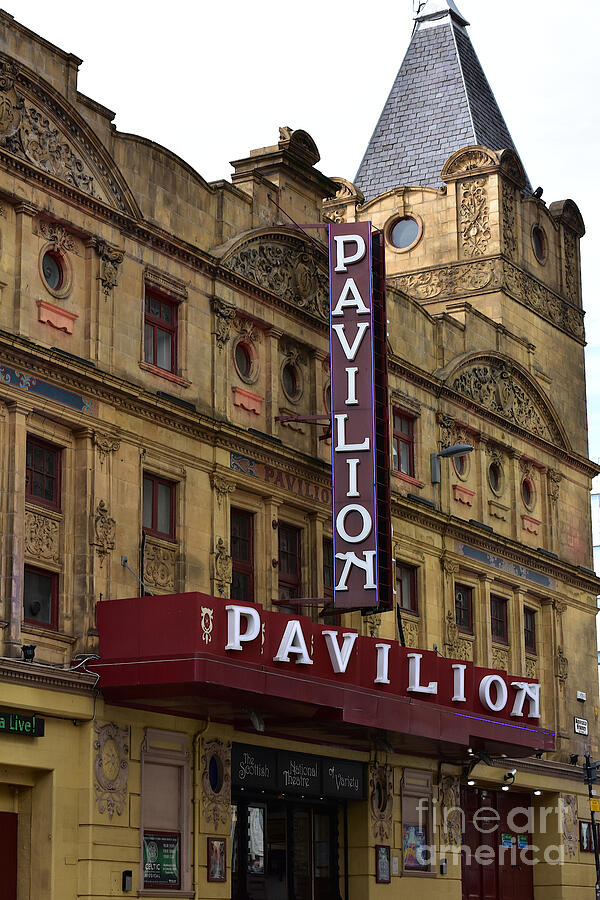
[{"x": 437, "y": 9}]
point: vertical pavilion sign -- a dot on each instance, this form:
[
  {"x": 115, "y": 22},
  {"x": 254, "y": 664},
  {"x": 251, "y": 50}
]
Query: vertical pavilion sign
[{"x": 360, "y": 452}]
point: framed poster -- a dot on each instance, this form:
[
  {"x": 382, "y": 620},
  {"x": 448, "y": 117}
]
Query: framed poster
[
  {"x": 586, "y": 839},
  {"x": 216, "y": 865},
  {"x": 383, "y": 873},
  {"x": 414, "y": 847},
  {"x": 162, "y": 859}
]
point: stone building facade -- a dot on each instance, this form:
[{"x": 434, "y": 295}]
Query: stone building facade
[{"x": 164, "y": 403}]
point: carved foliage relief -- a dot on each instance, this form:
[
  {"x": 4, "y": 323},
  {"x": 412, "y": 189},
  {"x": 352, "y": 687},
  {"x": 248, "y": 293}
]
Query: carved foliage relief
[
  {"x": 159, "y": 566},
  {"x": 41, "y": 536},
  {"x": 451, "y": 811},
  {"x": 223, "y": 568},
  {"x": 216, "y": 782},
  {"x": 381, "y": 801},
  {"x": 285, "y": 267},
  {"x": 35, "y": 129},
  {"x": 508, "y": 218},
  {"x": 104, "y": 531},
  {"x": 111, "y": 768},
  {"x": 568, "y": 804},
  {"x": 474, "y": 217},
  {"x": 492, "y": 384}
]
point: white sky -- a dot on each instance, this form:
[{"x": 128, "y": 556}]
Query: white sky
[{"x": 211, "y": 81}]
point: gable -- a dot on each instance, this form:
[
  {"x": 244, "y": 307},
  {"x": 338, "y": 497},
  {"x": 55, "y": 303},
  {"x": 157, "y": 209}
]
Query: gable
[{"x": 38, "y": 126}]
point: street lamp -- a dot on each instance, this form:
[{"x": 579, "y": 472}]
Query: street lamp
[{"x": 436, "y": 468}]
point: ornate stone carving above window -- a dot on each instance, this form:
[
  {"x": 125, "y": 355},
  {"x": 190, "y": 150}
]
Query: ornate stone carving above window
[
  {"x": 159, "y": 565},
  {"x": 474, "y": 217},
  {"x": 410, "y": 627},
  {"x": 225, "y": 313},
  {"x": 500, "y": 658},
  {"x": 501, "y": 387},
  {"x": 104, "y": 531},
  {"x": 111, "y": 768},
  {"x": 223, "y": 569},
  {"x": 41, "y": 536},
  {"x": 531, "y": 667},
  {"x": 287, "y": 266},
  {"x": 110, "y": 260},
  {"x": 457, "y": 647},
  {"x": 216, "y": 782},
  {"x": 58, "y": 236},
  {"x": 451, "y": 810}
]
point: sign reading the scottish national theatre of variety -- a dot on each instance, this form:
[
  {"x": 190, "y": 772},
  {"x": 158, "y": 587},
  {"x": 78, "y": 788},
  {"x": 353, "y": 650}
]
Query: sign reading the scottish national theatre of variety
[
  {"x": 21, "y": 723},
  {"x": 353, "y": 416}
]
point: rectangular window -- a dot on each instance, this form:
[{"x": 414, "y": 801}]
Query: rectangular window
[
  {"x": 406, "y": 588},
  {"x": 403, "y": 444},
  {"x": 40, "y": 597},
  {"x": 158, "y": 516},
  {"x": 290, "y": 568},
  {"x": 463, "y": 607},
  {"x": 42, "y": 475},
  {"x": 499, "y": 610},
  {"x": 529, "y": 629},
  {"x": 165, "y": 812},
  {"x": 242, "y": 555},
  {"x": 160, "y": 331}
]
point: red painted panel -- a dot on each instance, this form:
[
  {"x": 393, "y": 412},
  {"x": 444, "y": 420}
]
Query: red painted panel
[{"x": 8, "y": 855}]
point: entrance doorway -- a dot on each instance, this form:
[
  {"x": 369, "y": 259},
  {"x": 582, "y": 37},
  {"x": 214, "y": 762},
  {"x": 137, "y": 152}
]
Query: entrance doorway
[
  {"x": 492, "y": 820},
  {"x": 284, "y": 850},
  {"x": 8, "y": 855}
]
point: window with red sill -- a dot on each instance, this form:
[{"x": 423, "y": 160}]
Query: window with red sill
[
  {"x": 160, "y": 331},
  {"x": 403, "y": 444},
  {"x": 529, "y": 630},
  {"x": 40, "y": 597},
  {"x": 499, "y": 618},
  {"x": 290, "y": 564},
  {"x": 158, "y": 515},
  {"x": 42, "y": 473},
  {"x": 242, "y": 555},
  {"x": 406, "y": 588},
  {"x": 463, "y": 607}
]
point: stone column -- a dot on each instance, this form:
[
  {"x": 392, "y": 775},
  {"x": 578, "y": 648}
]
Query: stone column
[
  {"x": 14, "y": 537},
  {"x": 482, "y": 615},
  {"x": 272, "y": 382},
  {"x": 223, "y": 314},
  {"x": 25, "y": 261},
  {"x": 516, "y": 628},
  {"x": 515, "y": 493},
  {"x": 223, "y": 487}
]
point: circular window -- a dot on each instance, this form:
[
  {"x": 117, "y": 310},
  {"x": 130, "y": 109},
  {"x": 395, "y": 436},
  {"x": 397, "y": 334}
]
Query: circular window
[
  {"x": 215, "y": 774},
  {"x": 461, "y": 465},
  {"x": 540, "y": 244},
  {"x": 404, "y": 232},
  {"x": 528, "y": 493},
  {"x": 290, "y": 380},
  {"x": 52, "y": 270},
  {"x": 245, "y": 361},
  {"x": 495, "y": 477}
]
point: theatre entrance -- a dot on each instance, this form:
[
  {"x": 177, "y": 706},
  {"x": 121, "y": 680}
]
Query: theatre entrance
[
  {"x": 284, "y": 850},
  {"x": 496, "y": 854}
]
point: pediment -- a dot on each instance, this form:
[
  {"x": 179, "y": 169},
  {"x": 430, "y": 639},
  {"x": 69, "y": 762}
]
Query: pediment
[
  {"x": 287, "y": 264},
  {"x": 37, "y": 125},
  {"x": 503, "y": 387}
]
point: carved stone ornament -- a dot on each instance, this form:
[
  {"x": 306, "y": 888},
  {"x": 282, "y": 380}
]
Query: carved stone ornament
[
  {"x": 451, "y": 811},
  {"x": 41, "y": 536},
  {"x": 159, "y": 566},
  {"x": 452, "y": 432},
  {"x": 560, "y": 607},
  {"x": 456, "y": 647},
  {"x": 411, "y": 633},
  {"x": 221, "y": 486},
  {"x": 508, "y": 218},
  {"x": 474, "y": 217},
  {"x": 216, "y": 804},
  {"x": 381, "y": 801},
  {"x": 335, "y": 215},
  {"x": 494, "y": 274},
  {"x": 569, "y": 823},
  {"x": 288, "y": 267},
  {"x": 292, "y": 353},
  {"x": 110, "y": 260},
  {"x": 57, "y": 235},
  {"x": 561, "y": 667},
  {"x": 495, "y": 384},
  {"x": 223, "y": 568},
  {"x": 38, "y": 127},
  {"x": 104, "y": 531},
  {"x": 449, "y": 566},
  {"x": 571, "y": 267},
  {"x": 468, "y": 160},
  {"x": 495, "y": 454},
  {"x": 111, "y": 768},
  {"x": 372, "y": 624},
  {"x": 248, "y": 330},
  {"x": 225, "y": 313},
  {"x": 105, "y": 445},
  {"x": 500, "y": 658},
  {"x": 530, "y": 667},
  {"x": 207, "y": 622},
  {"x": 554, "y": 480}
]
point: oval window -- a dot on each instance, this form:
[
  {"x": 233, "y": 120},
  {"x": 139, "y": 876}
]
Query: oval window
[
  {"x": 495, "y": 477},
  {"x": 527, "y": 492},
  {"x": 460, "y": 464},
  {"x": 52, "y": 270},
  {"x": 289, "y": 379},
  {"x": 215, "y": 774},
  {"x": 540, "y": 244},
  {"x": 404, "y": 232},
  {"x": 243, "y": 360}
]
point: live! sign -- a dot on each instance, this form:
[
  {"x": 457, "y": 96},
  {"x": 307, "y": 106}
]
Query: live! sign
[{"x": 353, "y": 416}]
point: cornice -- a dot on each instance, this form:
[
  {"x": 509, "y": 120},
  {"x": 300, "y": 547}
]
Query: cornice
[
  {"x": 496, "y": 544},
  {"x": 545, "y": 767},
  {"x": 46, "y": 677}
]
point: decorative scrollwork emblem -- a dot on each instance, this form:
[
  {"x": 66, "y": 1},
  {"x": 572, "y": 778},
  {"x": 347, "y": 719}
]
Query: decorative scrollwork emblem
[{"x": 111, "y": 768}]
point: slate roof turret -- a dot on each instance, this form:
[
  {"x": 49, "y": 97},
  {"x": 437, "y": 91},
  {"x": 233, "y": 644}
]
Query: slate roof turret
[{"x": 440, "y": 101}]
